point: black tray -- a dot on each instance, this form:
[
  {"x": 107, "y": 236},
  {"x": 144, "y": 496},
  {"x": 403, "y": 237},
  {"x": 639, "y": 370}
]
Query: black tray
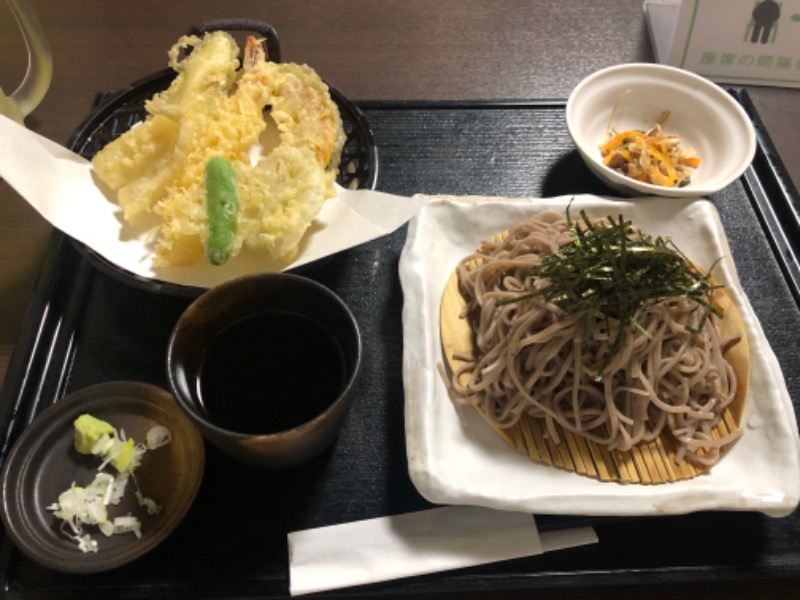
[{"x": 85, "y": 327}]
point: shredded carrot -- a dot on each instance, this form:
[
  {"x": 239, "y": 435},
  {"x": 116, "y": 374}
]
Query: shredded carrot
[{"x": 651, "y": 157}]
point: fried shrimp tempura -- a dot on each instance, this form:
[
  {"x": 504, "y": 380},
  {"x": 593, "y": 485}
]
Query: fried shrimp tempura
[{"x": 212, "y": 109}]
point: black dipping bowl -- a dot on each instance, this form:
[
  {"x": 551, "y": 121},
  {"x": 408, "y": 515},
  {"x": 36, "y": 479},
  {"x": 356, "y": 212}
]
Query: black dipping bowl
[{"x": 251, "y": 395}]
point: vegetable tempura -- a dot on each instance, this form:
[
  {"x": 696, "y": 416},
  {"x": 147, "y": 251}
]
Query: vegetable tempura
[{"x": 212, "y": 109}]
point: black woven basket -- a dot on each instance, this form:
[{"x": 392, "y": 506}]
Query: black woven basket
[{"x": 115, "y": 113}]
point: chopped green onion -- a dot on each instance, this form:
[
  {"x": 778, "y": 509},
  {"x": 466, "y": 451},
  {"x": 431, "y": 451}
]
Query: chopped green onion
[{"x": 77, "y": 507}]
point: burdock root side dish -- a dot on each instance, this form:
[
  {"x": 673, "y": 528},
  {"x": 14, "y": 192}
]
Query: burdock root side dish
[
  {"x": 199, "y": 161},
  {"x": 599, "y": 349},
  {"x": 651, "y": 156}
]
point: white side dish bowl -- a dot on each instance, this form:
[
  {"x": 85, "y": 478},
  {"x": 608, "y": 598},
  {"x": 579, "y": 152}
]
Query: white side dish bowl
[
  {"x": 454, "y": 456},
  {"x": 633, "y": 96}
]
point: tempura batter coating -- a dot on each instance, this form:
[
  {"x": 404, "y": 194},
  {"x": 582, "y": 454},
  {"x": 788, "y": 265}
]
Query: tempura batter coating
[{"x": 212, "y": 109}]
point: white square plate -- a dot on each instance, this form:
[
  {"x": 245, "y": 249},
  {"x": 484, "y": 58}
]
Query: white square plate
[{"x": 454, "y": 457}]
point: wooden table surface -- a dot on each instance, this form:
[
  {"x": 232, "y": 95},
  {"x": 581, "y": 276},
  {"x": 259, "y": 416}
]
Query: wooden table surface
[{"x": 370, "y": 50}]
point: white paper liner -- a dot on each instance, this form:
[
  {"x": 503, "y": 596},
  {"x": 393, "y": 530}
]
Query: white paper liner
[{"x": 60, "y": 185}]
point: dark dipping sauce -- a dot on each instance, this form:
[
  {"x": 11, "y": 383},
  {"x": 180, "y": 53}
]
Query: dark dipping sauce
[{"x": 271, "y": 372}]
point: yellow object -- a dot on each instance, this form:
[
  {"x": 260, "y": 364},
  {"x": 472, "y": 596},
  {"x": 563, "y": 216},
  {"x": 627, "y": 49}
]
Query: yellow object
[
  {"x": 124, "y": 461},
  {"x": 88, "y": 430},
  {"x": 212, "y": 108}
]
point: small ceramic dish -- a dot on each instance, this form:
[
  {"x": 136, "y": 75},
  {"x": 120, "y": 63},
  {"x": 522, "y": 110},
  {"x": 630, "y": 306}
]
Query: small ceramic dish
[
  {"x": 634, "y": 96},
  {"x": 44, "y": 463}
]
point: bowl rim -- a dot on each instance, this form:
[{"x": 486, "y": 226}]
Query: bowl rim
[
  {"x": 714, "y": 91},
  {"x": 344, "y": 394}
]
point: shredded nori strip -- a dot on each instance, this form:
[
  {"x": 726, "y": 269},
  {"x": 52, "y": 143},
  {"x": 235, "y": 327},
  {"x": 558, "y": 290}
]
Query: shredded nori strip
[{"x": 612, "y": 271}]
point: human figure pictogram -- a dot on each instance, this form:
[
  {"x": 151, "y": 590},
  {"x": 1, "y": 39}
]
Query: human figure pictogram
[{"x": 765, "y": 15}]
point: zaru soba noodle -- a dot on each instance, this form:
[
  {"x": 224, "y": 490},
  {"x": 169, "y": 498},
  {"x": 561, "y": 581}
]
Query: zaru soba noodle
[{"x": 596, "y": 327}]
